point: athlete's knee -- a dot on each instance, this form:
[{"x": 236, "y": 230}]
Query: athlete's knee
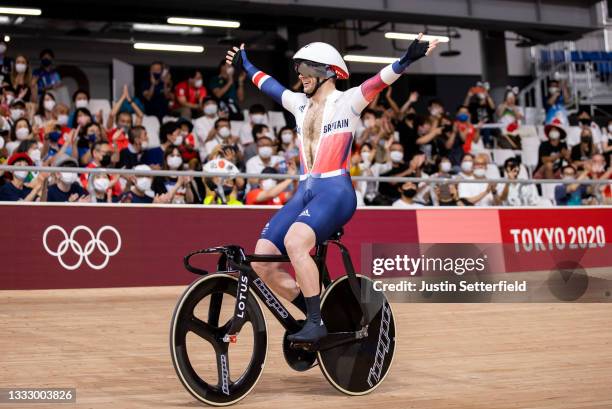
[
  {"x": 298, "y": 242},
  {"x": 262, "y": 268}
]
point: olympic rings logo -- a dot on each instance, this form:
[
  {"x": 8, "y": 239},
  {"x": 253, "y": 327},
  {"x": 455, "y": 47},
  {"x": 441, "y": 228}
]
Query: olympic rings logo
[{"x": 69, "y": 242}]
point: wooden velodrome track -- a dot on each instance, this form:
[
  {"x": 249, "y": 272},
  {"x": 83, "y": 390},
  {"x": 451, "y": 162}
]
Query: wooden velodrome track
[{"x": 112, "y": 345}]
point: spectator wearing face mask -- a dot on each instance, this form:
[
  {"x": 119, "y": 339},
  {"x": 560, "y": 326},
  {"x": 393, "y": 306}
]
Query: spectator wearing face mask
[
  {"x": 100, "y": 188},
  {"x": 18, "y": 111},
  {"x": 221, "y": 136},
  {"x": 81, "y": 121},
  {"x": 120, "y": 121},
  {"x": 229, "y": 91},
  {"x": 140, "y": 190},
  {"x": 286, "y": 142},
  {"x": 482, "y": 110},
  {"x": 101, "y": 157},
  {"x": 169, "y": 135},
  {"x": 369, "y": 127},
  {"x": 583, "y": 152},
  {"x": 444, "y": 194},
  {"x": 436, "y": 110},
  {"x": 585, "y": 123},
  {"x": 46, "y": 110},
  {"x": 571, "y": 194},
  {"x": 368, "y": 167},
  {"x": 477, "y": 194},
  {"x": 178, "y": 188},
  {"x": 25, "y": 86},
  {"x": 20, "y": 131},
  {"x": 157, "y": 90},
  {"x": 518, "y": 194},
  {"x": 32, "y": 148},
  {"x": 272, "y": 191},
  {"x": 257, "y": 116},
  {"x": 204, "y": 125},
  {"x": 66, "y": 187},
  {"x": 136, "y": 152},
  {"x": 46, "y": 75},
  {"x": 558, "y": 95},
  {"x": 188, "y": 148},
  {"x": 606, "y": 146},
  {"x": 8, "y": 96},
  {"x": 189, "y": 96},
  {"x": 15, "y": 190},
  {"x": 407, "y": 190},
  {"x": 389, "y": 190},
  {"x": 553, "y": 153},
  {"x": 508, "y": 111},
  {"x": 428, "y": 130},
  {"x": 265, "y": 157},
  {"x": 597, "y": 171},
  {"x": 468, "y": 133},
  {"x": 80, "y": 100}
]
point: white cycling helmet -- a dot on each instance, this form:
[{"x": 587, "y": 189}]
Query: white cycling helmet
[{"x": 324, "y": 53}]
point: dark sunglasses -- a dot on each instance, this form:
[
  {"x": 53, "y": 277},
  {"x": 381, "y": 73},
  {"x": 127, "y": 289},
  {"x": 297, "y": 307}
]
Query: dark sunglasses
[{"x": 310, "y": 69}]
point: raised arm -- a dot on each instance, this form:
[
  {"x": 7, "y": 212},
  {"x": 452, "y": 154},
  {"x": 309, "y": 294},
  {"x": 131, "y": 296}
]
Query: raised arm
[
  {"x": 389, "y": 74},
  {"x": 263, "y": 81}
]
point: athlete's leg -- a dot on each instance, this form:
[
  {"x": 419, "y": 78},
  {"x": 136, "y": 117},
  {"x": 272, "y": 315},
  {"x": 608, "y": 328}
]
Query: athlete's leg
[
  {"x": 272, "y": 274},
  {"x": 300, "y": 239}
]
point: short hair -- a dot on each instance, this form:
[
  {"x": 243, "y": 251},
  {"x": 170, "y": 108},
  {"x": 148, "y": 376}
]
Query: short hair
[
  {"x": 568, "y": 166},
  {"x": 258, "y": 128},
  {"x": 122, "y": 113},
  {"x": 135, "y": 132},
  {"x": 220, "y": 120},
  {"x": 257, "y": 109},
  {"x": 97, "y": 144},
  {"x": 193, "y": 72},
  {"x": 434, "y": 101},
  {"x": 368, "y": 111},
  {"x": 79, "y": 91},
  {"x": 165, "y": 130},
  {"x": 46, "y": 51}
]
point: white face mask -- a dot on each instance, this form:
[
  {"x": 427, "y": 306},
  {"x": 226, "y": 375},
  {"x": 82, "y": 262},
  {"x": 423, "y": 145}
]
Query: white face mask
[
  {"x": 16, "y": 114},
  {"x": 265, "y": 151},
  {"x": 101, "y": 184},
  {"x": 258, "y": 119},
  {"x": 268, "y": 184},
  {"x": 553, "y": 90},
  {"x": 178, "y": 140},
  {"x": 1, "y": 142},
  {"x": 287, "y": 137},
  {"x": 365, "y": 156},
  {"x": 34, "y": 155},
  {"x": 369, "y": 123},
  {"x": 62, "y": 119},
  {"x": 68, "y": 177},
  {"x": 198, "y": 83},
  {"x": 22, "y": 134},
  {"x": 224, "y": 132},
  {"x": 174, "y": 162},
  {"x": 81, "y": 103},
  {"x": 396, "y": 156},
  {"x": 21, "y": 174},
  {"x": 21, "y": 68},
  {"x": 435, "y": 111},
  {"x": 143, "y": 184},
  {"x": 554, "y": 134},
  {"x": 144, "y": 145},
  {"x": 445, "y": 167},
  {"x": 210, "y": 109},
  {"x": 49, "y": 104},
  {"x": 467, "y": 165},
  {"x": 480, "y": 172},
  {"x": 9, "y": 99}
]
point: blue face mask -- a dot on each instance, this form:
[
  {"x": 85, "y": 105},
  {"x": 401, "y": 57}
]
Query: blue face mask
[
  {"x": 462, "y": 117},
  {"x": 92, "y": 137}
]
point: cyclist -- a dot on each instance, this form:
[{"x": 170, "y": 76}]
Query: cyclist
[{"x": 325, "y": 199}]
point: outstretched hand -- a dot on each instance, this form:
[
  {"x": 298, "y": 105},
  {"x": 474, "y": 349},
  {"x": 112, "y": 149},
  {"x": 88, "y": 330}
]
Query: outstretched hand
[
  {"x": 233, "y": 56},
  {"x": 419, "y": 49}
]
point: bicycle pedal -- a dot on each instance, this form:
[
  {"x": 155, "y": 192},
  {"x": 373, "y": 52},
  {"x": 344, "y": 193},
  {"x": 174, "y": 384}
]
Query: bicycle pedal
[{"x": 306, "y": 346}]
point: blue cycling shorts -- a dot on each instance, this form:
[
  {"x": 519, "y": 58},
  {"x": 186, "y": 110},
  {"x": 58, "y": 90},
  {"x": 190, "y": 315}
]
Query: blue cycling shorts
[{"x": 324, "y": 204}]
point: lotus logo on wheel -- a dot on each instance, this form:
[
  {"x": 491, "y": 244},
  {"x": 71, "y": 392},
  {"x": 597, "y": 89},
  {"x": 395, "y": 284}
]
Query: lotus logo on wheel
[{"x": 83, "y": 252}]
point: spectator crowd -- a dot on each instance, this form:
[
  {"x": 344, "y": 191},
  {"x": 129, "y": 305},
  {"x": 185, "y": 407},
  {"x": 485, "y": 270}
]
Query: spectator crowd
[{"x": 201, "y": 124}]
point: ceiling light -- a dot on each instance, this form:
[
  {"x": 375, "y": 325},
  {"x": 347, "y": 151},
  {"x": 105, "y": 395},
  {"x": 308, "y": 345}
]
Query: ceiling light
[
  {"x": 203, "y": 22},
  {"x": 5, "y": 19},
  {"x": 169, "y": 47},
  {"x": 406, "y": 36},
  {"x": 370, "y": 59},
  {"x": 7, "y": 38},
  {"x": 166, "y": 28},
  {"x": 20, "y": 11}
]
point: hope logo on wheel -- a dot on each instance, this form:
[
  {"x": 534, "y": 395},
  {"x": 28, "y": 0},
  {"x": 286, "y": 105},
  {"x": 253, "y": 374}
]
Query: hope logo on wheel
[{"x": 83, "y": 251}]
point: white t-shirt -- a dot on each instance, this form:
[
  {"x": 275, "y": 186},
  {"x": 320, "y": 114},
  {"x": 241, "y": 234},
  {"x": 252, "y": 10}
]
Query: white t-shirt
[
  {"x": 467, "y": 190},
  {"x": 399, "y": 203},
  {"x": 201, "y": 128},
  {"x": 256, "y": 164}
]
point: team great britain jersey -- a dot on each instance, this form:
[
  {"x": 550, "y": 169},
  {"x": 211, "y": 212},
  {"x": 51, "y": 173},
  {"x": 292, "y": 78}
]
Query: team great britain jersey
[{"x": 341, "y": 116}]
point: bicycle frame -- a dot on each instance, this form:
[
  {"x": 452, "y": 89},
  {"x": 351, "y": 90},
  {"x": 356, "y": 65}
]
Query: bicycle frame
[{"x": 234, "y": 259}]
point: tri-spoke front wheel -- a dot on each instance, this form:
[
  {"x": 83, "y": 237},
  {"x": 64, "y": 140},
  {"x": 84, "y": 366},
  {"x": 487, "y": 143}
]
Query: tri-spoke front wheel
[{"x": 214, "y": 371}]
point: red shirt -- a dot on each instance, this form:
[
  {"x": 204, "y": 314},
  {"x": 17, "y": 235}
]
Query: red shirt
[
  {"x": 281, "y": 199},
  {"x": 85, "y": 176},
  {"x": 122, "y": 141},
  {"x": 193, "y": 95}
]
